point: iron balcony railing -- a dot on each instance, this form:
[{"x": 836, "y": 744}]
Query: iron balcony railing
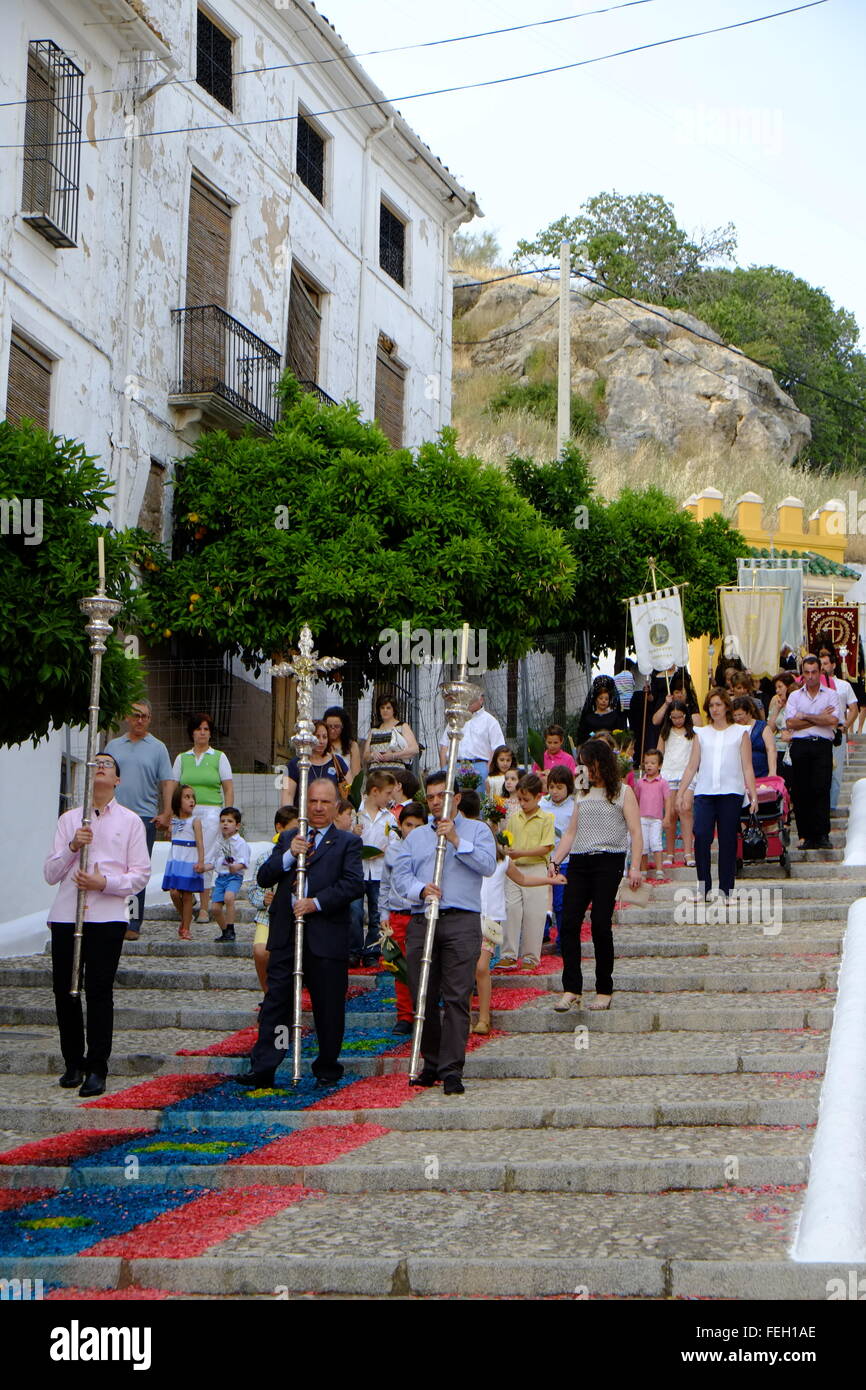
[
  {"x": 314, "y": 389},
  {"x": 219, "y": 356}
]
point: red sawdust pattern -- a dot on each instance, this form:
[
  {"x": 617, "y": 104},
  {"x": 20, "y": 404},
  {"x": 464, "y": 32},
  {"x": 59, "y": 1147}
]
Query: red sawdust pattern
[
  {"x": 106, "y": 1295},
  {"x": 13, "y": 1197},
  {"x": 320, "y": 1144},
  {"x": 63, "y": 1148},
  {"x": 204, "y": 1222},
  {"x": 153, "y": 1095}
]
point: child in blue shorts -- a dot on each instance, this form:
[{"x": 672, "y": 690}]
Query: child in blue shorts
[{"x": 230, "y": 864}]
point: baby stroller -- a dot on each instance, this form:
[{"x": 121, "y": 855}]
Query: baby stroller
[{"x": 774, "y": 818}]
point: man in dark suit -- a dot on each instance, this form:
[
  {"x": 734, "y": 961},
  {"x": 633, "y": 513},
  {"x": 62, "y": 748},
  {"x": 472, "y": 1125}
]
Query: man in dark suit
[{"x": 334, "y": 879}]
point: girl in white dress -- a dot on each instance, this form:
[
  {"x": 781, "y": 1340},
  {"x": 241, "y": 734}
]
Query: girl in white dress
[{"x": 675, "y": 745}]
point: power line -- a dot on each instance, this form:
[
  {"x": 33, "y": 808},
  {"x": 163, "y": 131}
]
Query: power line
[
  {"x": 479, "y": 342},
  {"x": 374, "y": 52},
  {"x": 675, "y": 323},
  {"x": 449, "y": 91}
]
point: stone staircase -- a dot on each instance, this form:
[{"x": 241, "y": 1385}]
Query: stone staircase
[{"x": 659, "y": 1150}]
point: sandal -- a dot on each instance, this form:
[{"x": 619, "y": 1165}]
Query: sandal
[
  {"x": 568, "y": 1001},
  {"x": 480, "y": 1027},
  {"x": 690, "y": 863},
  {"x": 597, "y": 1007},
  {"x": 184, "y": 933},
  {"x": 202, "y": 921}
]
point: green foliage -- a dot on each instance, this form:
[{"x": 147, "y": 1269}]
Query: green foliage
[
  {"x": 326, "y": 523},
  {"x": 477, "y": 248},
  {"x": 45, "y": 657},
  {"x": 356, "y": 790},
  {"x": 613, "y": 547},
  {"x": 536, "y": 746},
  {"x": 633, "y": 243},
  {"x": 540, "y": 398},
  {"x": 797, "y": 330}
]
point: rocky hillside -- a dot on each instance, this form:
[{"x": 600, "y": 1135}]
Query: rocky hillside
[{"x": 651, "y": 381}]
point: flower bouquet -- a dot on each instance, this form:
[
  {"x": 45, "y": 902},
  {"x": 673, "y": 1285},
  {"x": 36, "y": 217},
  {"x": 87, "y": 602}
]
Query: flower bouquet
[
  {"x": 391, "y": 956},
  {"x": 466, "y": 779}
]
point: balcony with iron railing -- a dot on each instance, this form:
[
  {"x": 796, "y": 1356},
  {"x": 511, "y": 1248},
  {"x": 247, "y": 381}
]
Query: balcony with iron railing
[{"x": 224, "y": 371}]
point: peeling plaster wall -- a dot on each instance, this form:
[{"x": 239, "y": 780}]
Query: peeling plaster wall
[{"x": 73, "y": 302}]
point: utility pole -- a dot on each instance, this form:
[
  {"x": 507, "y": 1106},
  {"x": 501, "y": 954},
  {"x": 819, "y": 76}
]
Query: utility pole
[{"x": 563, "y": 403}]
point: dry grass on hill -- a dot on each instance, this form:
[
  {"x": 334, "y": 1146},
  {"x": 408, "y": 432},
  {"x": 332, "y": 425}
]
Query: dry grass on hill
[{"x": 689, "y": 471}]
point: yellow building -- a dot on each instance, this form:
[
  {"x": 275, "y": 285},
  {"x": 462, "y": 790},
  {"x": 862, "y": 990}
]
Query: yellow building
[{"x": 826, "y": 535}]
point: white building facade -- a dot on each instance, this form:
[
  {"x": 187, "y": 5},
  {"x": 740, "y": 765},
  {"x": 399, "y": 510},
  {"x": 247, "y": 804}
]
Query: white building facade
[{"x": 193, "y": 198}]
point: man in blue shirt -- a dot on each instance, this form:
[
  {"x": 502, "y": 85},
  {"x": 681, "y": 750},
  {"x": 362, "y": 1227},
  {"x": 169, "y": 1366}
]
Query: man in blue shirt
[
  {"x": 470, "y": 855},
  {"x": 145, "y": 785}
]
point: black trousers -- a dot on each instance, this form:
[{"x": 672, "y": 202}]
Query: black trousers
[
  {"x": 811, "y": 775},
  {"x": 456, "y": 948},
  {"x": 327, "y": 981},
  {"x": 100, "y": 952},
  {"x": 592, "y": 878},
  {"x": 720, "y": 814}
]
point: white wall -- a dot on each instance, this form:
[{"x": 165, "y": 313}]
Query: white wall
[{"x": 29, "y": 797}]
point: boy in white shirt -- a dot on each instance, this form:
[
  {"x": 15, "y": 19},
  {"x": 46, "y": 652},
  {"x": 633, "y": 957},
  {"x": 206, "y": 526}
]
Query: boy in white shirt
[
  {"x": 230, "y": 864},
  {"x": 375, "y": 824},
  {"x": 559, "y": 800}
]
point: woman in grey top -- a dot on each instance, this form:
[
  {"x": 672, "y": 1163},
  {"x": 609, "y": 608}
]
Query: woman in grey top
[{"x": 606, "y": 817}]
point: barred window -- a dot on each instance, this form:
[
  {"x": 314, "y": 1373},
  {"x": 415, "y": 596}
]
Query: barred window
[
  {"x": 52, "y": 143},
  {"x": 392, "y": 245},
  {"x": 310, "y": 160},
  {"x": 214, "y": 61}
]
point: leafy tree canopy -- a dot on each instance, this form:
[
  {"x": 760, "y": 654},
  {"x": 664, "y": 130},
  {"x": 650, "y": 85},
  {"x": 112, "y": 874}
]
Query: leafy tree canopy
[
  {"x": 632, "y": 242},
  {"x": 326, "y": 523},
  {"x": 45, "y": 660},
  {"x": 796, "y": 329},
  {"x": 612, "y": 543}
]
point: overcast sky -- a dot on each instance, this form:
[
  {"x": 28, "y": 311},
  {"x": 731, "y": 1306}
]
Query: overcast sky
[{"x": 762, "y": 127}]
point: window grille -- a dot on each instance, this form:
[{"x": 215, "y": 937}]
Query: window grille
[
  {"x": 52, "y": 143},
  {"x": 310, "y": 159},
  {"x": 214, "y": 61},
  {"x": 392, "y": 245}
]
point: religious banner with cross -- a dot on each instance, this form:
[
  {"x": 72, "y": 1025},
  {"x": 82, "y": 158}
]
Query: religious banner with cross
[
  {"x": 837, "y": 625},
  {"x": 753, "y": 619},
  {"x": 659, "y": 631}
]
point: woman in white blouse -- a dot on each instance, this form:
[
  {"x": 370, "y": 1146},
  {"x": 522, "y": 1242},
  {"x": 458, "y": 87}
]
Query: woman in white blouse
[{"x": 721, "y": 757}]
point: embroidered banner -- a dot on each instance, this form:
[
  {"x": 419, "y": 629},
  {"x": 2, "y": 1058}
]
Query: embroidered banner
[
  {"x": 659, "y": 631},
  {"x": 838, "y": 625}
]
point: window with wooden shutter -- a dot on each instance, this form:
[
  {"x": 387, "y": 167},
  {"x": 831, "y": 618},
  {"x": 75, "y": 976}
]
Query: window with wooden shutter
[
  {"x": 29, "y": 388},
  {"x": 305, "y": 326},
  {"x": 390, "y": 391},
  {"x": 150, "y": 517},
  {"x": 52, "y": 143},
  {"x": 213, "y": 69},
  {"x": 207, "y": 282}
]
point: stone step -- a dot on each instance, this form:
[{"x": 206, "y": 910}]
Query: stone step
[
  {"x": 623, "y": 1159},
  {"x": 659, "y": 974},
  {"x": 648, "y": 1011},
  {"x": 686, "y": 1244}
]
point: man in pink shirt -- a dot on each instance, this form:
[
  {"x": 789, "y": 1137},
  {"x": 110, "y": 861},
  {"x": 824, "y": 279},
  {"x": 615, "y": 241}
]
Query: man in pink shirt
[{"x": 119, "y": 867}]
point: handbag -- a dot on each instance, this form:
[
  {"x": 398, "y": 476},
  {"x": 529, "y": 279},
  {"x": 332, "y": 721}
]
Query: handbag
[
  {"x": 343, "y": 787},
  {"x": 754, "y": 840},
  {"x": 633, "y": 897}
]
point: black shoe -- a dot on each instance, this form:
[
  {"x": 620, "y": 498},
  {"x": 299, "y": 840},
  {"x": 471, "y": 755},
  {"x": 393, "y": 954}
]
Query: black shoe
[
  {"x": 255, "y": 1080},
  {"x": 93, "y": 1086},
  {"x": 73, "y": 1076},
  {"x": 227, "y": 935},
  {"x": 824, "y": 842},
  {"x": 809, "y": 844},
  {"x": 354, "y": 962},
  {"x": 403, "y": 1026},
  {"x": 453, "y": 1086},
  {"x": 426, "y": 1078},
  {"x": 329, "y": 1080}
]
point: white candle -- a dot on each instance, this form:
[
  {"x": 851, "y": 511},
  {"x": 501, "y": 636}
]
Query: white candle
[
  {"x": 464, "y": 644},
  {"x": 100, "y": 550}
]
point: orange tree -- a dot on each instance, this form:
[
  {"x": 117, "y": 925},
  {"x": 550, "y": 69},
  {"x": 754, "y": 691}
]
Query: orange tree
[
  {"x": 325, "y": 522},
  {"x": 51, "y": 490}
]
